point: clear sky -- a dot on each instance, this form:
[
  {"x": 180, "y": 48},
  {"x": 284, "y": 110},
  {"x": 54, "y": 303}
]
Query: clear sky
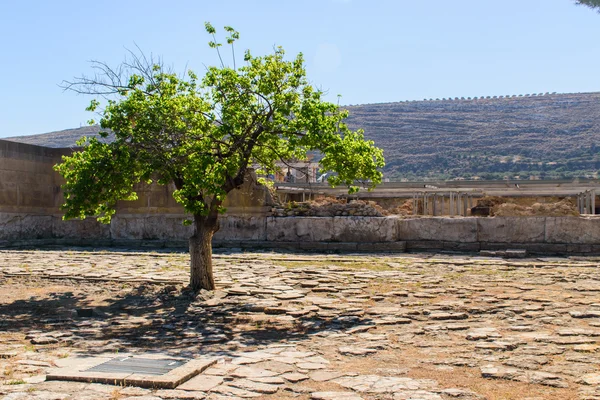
[{"x": 369, "y": 51}]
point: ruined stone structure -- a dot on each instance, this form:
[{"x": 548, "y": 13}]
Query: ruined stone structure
[{"x": 30, "y": 197}]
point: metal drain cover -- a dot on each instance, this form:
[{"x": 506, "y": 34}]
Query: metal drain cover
[{"x": 136, "y": 365}]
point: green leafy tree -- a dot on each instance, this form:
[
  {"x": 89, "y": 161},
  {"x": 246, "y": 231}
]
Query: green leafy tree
[
  {"x": 202, "y": 135},
  {"x": 589, "y": 3}
]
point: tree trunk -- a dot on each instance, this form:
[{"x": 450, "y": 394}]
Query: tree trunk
[{"x": 201, "y": 272}]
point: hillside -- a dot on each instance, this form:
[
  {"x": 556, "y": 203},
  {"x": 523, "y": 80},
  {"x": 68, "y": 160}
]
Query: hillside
[
  {"x": 552, "y": 136},
  {"x": 65, "y": 138},
  {"x": 547, "y": 136}
]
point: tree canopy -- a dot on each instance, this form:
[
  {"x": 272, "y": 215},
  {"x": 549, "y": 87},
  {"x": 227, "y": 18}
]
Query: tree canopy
[
  {"x": 203, "y": 134},
  {"x": 589, "y": 3}
]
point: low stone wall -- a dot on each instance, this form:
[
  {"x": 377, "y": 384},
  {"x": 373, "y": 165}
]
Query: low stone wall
[
  {"x": 556, "y": 235},
  {"x": 128, "y": 227}
]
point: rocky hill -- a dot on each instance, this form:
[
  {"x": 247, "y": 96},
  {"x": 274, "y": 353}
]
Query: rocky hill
[
  {"x": 65, "y": 138},
  {"x": 547, "y": 136}
]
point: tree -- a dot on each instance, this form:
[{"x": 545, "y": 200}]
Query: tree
[
  {"x": 589, "y": 3},
  {"x": 203, "y": 136}
]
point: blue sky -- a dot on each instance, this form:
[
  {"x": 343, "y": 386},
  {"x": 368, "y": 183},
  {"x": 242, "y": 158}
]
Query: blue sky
[{"x": 369, "y": 51}]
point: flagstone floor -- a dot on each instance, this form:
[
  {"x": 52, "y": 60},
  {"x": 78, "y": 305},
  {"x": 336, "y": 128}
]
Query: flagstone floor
[{"x": 306, "y": 326}]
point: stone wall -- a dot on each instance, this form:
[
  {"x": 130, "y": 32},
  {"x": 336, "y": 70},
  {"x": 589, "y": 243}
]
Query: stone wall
[
  {"x": 556, "y": 235},
  {"x": 560, "y": 235},
  {"x": 30, "y": 196},
  {"x": 27, "y": 182},
  {"x": 30, "y": 199}
]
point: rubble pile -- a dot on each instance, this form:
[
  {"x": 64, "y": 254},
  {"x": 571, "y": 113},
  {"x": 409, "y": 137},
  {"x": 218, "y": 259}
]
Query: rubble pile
[
  {"x": 564, "y": 207},
  {"x": 330, "y": 207}
]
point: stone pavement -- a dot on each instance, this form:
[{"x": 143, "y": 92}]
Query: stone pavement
[{"x": 410, "y": 326}]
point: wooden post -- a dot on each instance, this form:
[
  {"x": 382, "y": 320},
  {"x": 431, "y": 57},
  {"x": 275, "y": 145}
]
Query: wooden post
[{"x": 593, "y": 192}]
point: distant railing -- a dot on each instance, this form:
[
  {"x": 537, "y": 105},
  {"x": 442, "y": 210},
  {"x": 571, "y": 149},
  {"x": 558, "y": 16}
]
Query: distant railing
[{"x": 453, "y": 184}]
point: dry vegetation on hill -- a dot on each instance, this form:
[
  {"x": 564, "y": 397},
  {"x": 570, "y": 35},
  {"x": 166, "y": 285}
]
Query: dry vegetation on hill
[
  {"x": 551, "y": 136},
  {"x": 547, "y": 136}
]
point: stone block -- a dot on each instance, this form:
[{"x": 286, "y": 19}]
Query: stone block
[
  {"x": 461, "y": 246},
  {"x": 579, "y": 248},
  {"x": 11, "y": 226},
  {"x": 424, "y": 245},
  {"x": 242, "y": 227},
  {"x": 293, "y": 229},
  {"x": 161, "y": 227},
  {"x": 364, "y": 229},
  {"x": 178, "y": 244},
  {"x": 545, "y": 248},
  {"x": 86, "y": 229},
  {"x": 463, "y": 230},
  {"x": 382, "y": 247},
  {"x": 36, "y": 227},
  {"x": 126, "y": 227},
  {"x": 343, "y": 247},
  {"x": 573, "y": 230},
  {"x": 511, "y": 229}
]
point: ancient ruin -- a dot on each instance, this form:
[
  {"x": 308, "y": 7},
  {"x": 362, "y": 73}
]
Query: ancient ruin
[{"x": 459, "y": 294}]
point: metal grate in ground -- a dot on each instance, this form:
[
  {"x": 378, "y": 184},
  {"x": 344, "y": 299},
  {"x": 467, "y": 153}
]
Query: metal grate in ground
[{"x": 137, "y": 365}]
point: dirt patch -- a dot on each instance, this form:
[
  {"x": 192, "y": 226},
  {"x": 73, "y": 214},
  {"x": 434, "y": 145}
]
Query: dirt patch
[
  {"x": 513, "y": 207},
  {"x": 330, "y": 207},
  {"x": 562, "y": 208},
  {"x": 406, "y": 209}
]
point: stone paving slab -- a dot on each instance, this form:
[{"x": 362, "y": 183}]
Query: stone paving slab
[
  {"x": 78, "y": 370},
  {"x": 313, "y": 326}
]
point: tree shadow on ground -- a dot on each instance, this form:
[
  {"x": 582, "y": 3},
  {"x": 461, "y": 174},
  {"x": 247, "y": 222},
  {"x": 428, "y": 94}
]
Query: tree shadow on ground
[{"x": 158, "y": 317}]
